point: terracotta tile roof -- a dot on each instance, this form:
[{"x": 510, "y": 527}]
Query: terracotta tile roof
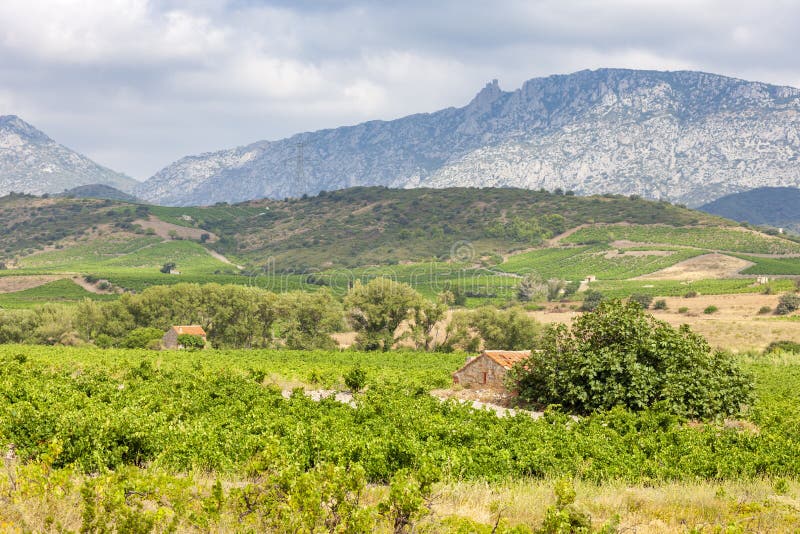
[
  {"x": 193, "y": 330},
  {"x": 507, "y": 358}
]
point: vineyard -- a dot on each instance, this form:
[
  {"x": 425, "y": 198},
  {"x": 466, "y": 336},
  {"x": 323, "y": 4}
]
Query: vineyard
[
  {"x": 606, "y": 264},
  {"x": 706, "y": 238},
  {"x": 150, "y": 416}
]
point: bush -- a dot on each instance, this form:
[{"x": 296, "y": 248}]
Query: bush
[
  {"x": 660, "y": 304},
  {"x": 787, "y": 303},
  {"x": 191, "y": 342},
  {"x": 643, "y": 300},
  {"x": 591, "y": 300},
  {"x": 140, "y": 338},
  {"x": 355, "y": 379},
  {"x": 782, "y": 346},
  {"x": 711, "y": 309},
  {"x": 690, "y": 294},
  {"x": 764, "y": 309},
  {"x": 683, "y": 309},
  {"x": 619, "y": 355}
]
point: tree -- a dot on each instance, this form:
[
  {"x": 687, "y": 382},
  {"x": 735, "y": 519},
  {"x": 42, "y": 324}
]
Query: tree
[
  {"x": 643, "y": 300},
  {"x": 376, "y": 310},
  {"x": 619, "y": 355},
  {"x": 307, "y": 320},
  {"x": 494, "y": 329},
  {"x": 591, "y": 299},
  {"x": 787, "y": 303},
  {"x": 141, "y": 338},
  {"x": 168, "y": 267},
  {"x": 531, "y": 288},
  {"x": 191, "y": 342}
]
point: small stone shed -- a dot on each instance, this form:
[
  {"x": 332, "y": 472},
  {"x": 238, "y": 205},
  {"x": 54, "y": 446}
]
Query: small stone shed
[
  {"x": 489, "y": 368},
  {"x": 170, "y": 339}
]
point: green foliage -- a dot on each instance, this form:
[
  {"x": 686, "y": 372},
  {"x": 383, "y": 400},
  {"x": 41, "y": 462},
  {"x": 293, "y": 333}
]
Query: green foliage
[
  {"x": 763, "y": 310},
  {"x": 643, "y": 300},
  {"x": 564, "y": 517},
  {"x": 531, "y": 287},
  {"x": 141, "y": 338},
  {"x": 787, "y": 303},
  {"x": 191, "y": 341},
  {"x": 510, "y": 329},
  {"x": 660, "y": 304},
  {"x": 723, "y": 238},
  {"x": 620, "y": 356},
  {"x": 168, "y": 267},
  {"x": 376, "y": 310},
  {"x": 306, "y": 320},
  {"x": 710, "y": 309},
  {"x": 355, "y": 379},
  {"x": 782, "y": 346},
  {"x": 591, "y": 300},
  {"x": 409, "y": 497}
]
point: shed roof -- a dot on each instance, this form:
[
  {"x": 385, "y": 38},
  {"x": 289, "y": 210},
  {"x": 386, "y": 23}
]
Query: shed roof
[
  {"x": 193, "y": 330},
  {"x": 507, "y": 358}
]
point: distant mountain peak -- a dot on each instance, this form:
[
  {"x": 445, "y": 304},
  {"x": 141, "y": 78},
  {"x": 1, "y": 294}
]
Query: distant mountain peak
[
  {"x": 31, "y": 162},
  {"x": 686, "y": 136},
  {"x": 487, "y": 96},
  {"x": 14, "y": 124}
]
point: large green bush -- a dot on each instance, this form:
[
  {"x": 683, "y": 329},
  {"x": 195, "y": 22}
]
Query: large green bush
[{"x": 619, "y": 355}]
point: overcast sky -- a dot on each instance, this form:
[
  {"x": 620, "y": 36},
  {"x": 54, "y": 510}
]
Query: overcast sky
[{"x": 137, "y": 84}]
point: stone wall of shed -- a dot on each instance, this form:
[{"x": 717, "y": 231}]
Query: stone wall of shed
[
  {"x": 170, "y": 339},
  {"x": 472, "y": 375}
]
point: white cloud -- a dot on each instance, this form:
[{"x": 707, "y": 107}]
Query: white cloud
[{"x": 138, "y": 83}]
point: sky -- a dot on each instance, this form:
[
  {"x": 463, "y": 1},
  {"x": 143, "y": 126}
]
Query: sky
[{"x": 138, "y": 84}]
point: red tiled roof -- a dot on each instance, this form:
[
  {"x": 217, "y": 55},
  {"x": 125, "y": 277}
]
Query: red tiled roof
[
  {"x": 192, "y": 330},
  {"x": 507, "y": 358}
]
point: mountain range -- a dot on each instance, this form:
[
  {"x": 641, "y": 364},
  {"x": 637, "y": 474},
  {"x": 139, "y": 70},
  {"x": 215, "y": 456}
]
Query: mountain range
[
  {"x": 31, "y": 162},
  {"x": 689, "y": 137},
  {"x": 772, "y": 206}
]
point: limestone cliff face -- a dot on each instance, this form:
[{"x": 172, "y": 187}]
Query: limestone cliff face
[{"x": 689, "y": 137}]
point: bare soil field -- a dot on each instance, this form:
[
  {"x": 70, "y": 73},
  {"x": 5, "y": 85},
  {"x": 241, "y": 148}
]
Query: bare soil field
[
  {"x": 163, "y": 229},
  {"x": 700, "y": 268},
  {"x": 11, "y": 284}
]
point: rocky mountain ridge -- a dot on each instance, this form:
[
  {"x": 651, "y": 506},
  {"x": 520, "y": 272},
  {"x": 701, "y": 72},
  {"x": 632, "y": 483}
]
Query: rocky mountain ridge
[
  {"x": 31, "y": 162},
  {"x": 685, "y": 136}
]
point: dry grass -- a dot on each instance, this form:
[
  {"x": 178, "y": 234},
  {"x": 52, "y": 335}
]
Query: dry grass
[
  {"x": 737, "y": 326},
  {"x": 680, "y": 507}
]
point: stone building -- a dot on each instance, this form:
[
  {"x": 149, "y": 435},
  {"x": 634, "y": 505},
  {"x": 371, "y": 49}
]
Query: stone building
[
  {"x": 170, "y": 339},
  {"x": 489, "y": 368}
]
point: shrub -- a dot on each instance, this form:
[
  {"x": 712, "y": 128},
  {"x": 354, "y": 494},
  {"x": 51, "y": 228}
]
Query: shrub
[
  {"x": 690, "y": 294},
  {"x": 787, "y": 303},
  {"x": 683, "y": 309},
  {"x": 591, "y": 300},
  {"x": 782, "y": 346},
  {"x": 660, "y": 304},
  {"x": 191, "y": 342},
  {"x": 643, "y": 300},
  {"x": 619, "y": 355},
  {"x": 711, "y": 309},
  {"x": 764, "y": 309},
  {"x": 140, "y": 338},
  {"x": 355, "y": 379}
]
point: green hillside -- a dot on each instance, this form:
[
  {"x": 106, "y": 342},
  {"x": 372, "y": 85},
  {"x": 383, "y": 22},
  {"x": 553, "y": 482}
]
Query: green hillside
[{"x": 481, "y": 241}]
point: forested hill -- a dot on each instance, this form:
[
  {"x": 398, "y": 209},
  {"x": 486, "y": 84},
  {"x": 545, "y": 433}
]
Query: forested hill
[
  {"x": 773, "y": 206},
  {"x": 347, "y": 228},
  {"x": 376, "y": 225}
]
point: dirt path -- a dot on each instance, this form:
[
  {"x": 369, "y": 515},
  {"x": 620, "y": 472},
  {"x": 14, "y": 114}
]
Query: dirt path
[
  {"x": 91, "y": 288},
  {"x": 216, "y": 255},
  {"x": 700, "y": 267}
]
